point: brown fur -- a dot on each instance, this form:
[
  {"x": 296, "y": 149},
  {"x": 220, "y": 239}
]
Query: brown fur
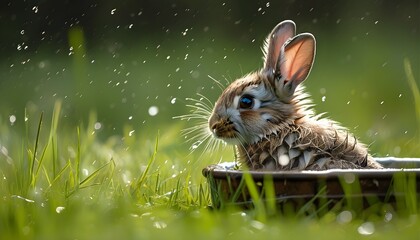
[{"x": 280, "y": 131}]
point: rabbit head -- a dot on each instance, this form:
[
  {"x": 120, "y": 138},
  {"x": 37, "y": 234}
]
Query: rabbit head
[{"x": 264, "y": 102}]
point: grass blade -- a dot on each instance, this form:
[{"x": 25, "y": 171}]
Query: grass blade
[
  {"x": 414, "y": 89},
  {"x": 149, "y": 164},
  {"x": 31, "y": 173},
  {"x": 256, "y": 198}
]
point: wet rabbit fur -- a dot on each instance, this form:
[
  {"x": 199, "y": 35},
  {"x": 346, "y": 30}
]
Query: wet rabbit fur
[{"x": 269, "y": 118}]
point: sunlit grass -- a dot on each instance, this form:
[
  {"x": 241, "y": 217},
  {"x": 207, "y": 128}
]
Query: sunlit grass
[{"x": 67, "y": 183}]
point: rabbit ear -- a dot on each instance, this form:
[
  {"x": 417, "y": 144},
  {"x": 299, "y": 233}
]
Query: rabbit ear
[
  {"x": 275, "y": 41},
  {"x": 295, "y": 62}
]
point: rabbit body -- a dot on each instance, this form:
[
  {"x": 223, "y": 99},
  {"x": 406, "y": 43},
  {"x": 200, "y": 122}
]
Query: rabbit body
[{"x": 269, "y": 117}]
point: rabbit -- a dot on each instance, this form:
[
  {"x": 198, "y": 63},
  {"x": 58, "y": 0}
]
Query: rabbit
[{"x": 269, "y": 118}]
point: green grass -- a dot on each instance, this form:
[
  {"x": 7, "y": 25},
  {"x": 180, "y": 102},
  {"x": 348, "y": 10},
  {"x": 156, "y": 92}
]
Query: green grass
[{"x": 59, "y": 183}]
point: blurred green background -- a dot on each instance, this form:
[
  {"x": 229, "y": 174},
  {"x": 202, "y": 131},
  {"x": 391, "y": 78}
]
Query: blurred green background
[{"x": 120, "y": 59}]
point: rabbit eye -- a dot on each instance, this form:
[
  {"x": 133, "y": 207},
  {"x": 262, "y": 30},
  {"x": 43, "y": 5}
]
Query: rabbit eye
[{"x": 246, "y": 102}]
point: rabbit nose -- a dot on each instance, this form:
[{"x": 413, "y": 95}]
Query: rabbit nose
[{"x": 213, "y": 128}]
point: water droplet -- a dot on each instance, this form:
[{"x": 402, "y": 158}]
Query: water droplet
[
  {"x": 323, "y": 98},
  {"x": 168, "y": 57},
  {"x": 22, "y": 198},
  {"x": 348, "y": 102},
  {"x": 113, "y": 11},
  {"x": 153, "y": 111},
  {"x": 195, "y": 74},
  {"x": 22, "y": 32},
  {"x": 131, "y": 133},
  {"x": 366, "y": 228},
  {"x": 195, "y": 145},
  {"x": 257, "y": 225},
  {"x": 130, "y": 26},
  {"x": 85, "y": 172},
  {"x": 130, "y": 117},
  {"x": 185, "y": 32},
  {"x": 349, "y": 178},
  {"x": 35, "y": 9},
  {"x": 388, "y": 217},
  {"x": 97, "y": 126},
  {"x": 267, "y": 4},
  {"x": 12, "y": 119},
  {"x": 59, "y": 209},
  {"x": 173, "y": 100},
  {"x": 344, "y": 217},
  {"x": 382, "y": 102}
]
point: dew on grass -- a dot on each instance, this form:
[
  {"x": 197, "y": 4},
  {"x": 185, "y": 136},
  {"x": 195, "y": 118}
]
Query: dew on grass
[
  {"x": 257, "y": 225},
  {"x": 366, "y": 228},
  {"x": 160, "y": 224},
  {"x": 344, "y": 217},
  {"x": 59, "y": 209},
  {"x": 388, "y": 217},
  {"x": 22, "y": 198},
  {"x": 173, "y": 100},
  {"x": 126, "y": 177}
]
